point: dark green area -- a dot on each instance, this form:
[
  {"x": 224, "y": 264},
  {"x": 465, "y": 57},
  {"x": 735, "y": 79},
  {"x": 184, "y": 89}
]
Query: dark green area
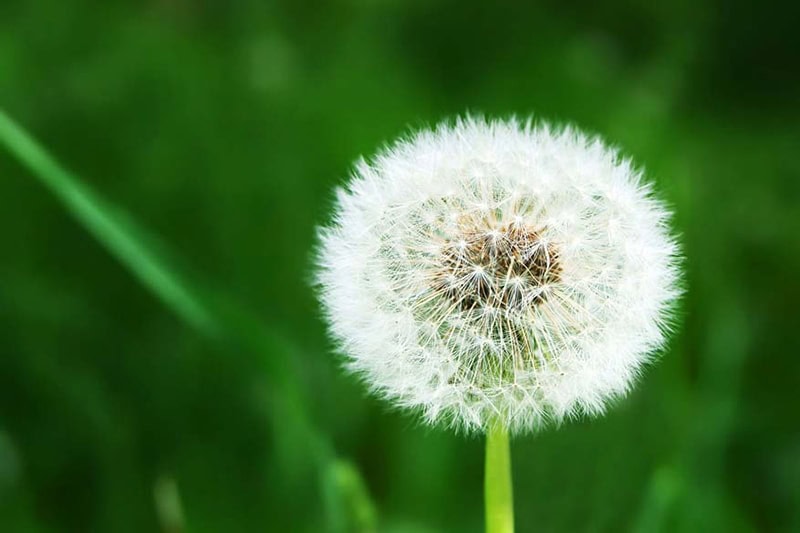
[{"x": 214, "y": 133}]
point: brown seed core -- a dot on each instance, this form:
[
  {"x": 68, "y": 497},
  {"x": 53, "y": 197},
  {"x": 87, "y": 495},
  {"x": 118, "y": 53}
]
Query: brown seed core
[{"x": 508, "y": 268}]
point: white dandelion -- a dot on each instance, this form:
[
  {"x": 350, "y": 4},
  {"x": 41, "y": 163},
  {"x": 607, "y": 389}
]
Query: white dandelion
[{"x": 498, "y": 273}]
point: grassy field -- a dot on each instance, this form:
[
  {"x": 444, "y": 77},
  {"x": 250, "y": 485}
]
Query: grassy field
[{"x": 163, "y": 362}]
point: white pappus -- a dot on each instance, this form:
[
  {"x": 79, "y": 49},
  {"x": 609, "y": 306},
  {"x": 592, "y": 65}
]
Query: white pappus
[{"x": 498, "y": 272}]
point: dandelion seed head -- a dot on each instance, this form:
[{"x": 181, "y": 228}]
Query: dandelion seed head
[{"x": 498, "y": 271}]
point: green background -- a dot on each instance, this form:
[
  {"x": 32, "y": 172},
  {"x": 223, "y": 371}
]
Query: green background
[{"x": 158, "y": 336}]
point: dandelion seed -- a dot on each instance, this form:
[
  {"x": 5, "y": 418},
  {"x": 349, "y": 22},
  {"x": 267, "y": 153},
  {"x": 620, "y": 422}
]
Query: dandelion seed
[{"x": 497, "y": 272}]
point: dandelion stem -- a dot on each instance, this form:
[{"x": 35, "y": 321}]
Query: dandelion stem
[{"x": 498, "y": 492}]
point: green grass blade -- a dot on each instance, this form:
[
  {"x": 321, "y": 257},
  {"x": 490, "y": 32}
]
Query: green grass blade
[
  {"x": 118, "y": 235},
  {"x": 345, "y": 491}
]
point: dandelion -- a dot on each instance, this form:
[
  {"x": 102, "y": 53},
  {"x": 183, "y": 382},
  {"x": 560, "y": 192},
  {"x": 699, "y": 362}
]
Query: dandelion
[{"x": 498, "y": 276}]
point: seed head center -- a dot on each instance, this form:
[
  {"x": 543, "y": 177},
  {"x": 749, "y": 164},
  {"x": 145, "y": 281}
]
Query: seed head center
[{"x": 507, "y": 268}]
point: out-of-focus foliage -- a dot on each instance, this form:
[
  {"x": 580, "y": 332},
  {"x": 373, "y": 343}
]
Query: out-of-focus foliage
[{"x": 223, "y": 127}]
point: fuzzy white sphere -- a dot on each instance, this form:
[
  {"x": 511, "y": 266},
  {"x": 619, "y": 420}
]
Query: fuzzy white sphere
[{"x": 498, "y": 272}]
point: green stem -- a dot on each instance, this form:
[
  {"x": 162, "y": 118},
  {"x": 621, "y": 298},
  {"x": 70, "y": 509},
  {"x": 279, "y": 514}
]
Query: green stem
[{"x": 497, "y": 483}]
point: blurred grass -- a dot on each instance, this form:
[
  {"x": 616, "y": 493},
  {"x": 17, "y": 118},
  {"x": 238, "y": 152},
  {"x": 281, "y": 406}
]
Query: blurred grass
[
  {"x": 346, "y": 496},
  {"x": 225, "y": 129}
]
